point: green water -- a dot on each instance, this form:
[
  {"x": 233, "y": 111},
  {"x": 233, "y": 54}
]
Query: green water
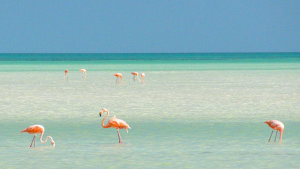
[{"x": 188, "y": 114}]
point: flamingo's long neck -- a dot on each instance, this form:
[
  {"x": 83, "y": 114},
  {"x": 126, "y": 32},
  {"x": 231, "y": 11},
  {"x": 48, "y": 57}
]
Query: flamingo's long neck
[
  {"x": 45, "y": 141},
  {"x": 281, "y": 133},
  {"x": 107, "y": 126}
]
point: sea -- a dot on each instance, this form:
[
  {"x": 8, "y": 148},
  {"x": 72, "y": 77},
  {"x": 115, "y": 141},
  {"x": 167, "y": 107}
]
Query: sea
[{"x": 194, "y": 110}]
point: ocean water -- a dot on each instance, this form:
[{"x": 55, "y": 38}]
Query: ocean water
[{"x": 206, "y": 111}]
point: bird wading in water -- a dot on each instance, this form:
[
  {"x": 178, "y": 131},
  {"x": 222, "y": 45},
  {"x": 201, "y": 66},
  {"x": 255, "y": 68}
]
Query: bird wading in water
[{"x": 114, "y": 123}]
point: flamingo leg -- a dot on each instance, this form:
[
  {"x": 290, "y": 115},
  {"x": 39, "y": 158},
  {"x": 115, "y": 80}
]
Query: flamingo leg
[
  {"x": 32, "y": 141},
  {"x": 276, "y": 136},
  {"x": 270, "y": 136},
  {"x": 120, "y": 141}
]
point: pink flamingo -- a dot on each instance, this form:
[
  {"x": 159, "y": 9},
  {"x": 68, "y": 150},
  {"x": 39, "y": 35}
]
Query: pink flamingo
[
  {"x": 135, "y": 76},
  {"x": 83, "y": 73},
  {"x": 119, "y": 78},
  {"x": 275, "y": 125},
  {"x": 38, "y": 129},
  {"x": 115, "y": 123},
  {"x": 66, "y": 73},
  {"x": 142, "y": 77}
]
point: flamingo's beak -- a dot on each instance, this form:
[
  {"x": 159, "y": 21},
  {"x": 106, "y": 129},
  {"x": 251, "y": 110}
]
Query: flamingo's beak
[{"x": 100, "y": 113}]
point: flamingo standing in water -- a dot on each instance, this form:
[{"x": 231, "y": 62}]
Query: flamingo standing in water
[
  {"x": 275, "y": 125},
  {"x": 115, "y": 123},
  {"x": 135, "y": 76},
  {"x": 83, "y": 73},
  {"x": 142, "y": 77},
  {"x": 38, "y": 129},
  {"x": 119, "y": 78},
  {"x": 66, "y": 73}
]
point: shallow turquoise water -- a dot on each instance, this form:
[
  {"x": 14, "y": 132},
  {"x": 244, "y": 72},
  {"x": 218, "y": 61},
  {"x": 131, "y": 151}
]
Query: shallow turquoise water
[{"x": 189, "y": 114}]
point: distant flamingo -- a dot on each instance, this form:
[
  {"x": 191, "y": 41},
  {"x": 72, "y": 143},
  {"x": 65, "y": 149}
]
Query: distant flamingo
[
  {"x": 135, "y": 76},
  {"x": 275, "y": 125},
  {"x": 38, "y": 129},
  {"x": 115, "y": 123},
  {"x": 119, "y": 78},
  {"x": 66, "y": 73},
  {"x": 142, "y": 77},
  {"x": 83, "y": 73}
]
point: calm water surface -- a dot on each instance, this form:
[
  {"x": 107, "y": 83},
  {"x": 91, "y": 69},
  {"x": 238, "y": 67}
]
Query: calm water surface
[{"x": 188, "y": 114}]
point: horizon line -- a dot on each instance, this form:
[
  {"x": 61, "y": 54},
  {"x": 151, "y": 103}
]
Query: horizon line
[{"x": 143, "y": 52}]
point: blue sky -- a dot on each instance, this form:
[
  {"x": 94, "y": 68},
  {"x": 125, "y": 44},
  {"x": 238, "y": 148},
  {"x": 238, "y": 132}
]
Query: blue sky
[{"x": 129, "y": 26}]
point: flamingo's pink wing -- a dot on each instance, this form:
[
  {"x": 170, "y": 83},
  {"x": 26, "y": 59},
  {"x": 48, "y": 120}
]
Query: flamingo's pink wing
[
  {"x": 113, "y": 121},
  {"x": 32, "y": 130},
  {"x": 123, "y": 123}
]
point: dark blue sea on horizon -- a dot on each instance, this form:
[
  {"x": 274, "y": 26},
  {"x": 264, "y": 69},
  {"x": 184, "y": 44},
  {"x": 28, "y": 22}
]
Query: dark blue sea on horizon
[{"x": 149, "y": 56}]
